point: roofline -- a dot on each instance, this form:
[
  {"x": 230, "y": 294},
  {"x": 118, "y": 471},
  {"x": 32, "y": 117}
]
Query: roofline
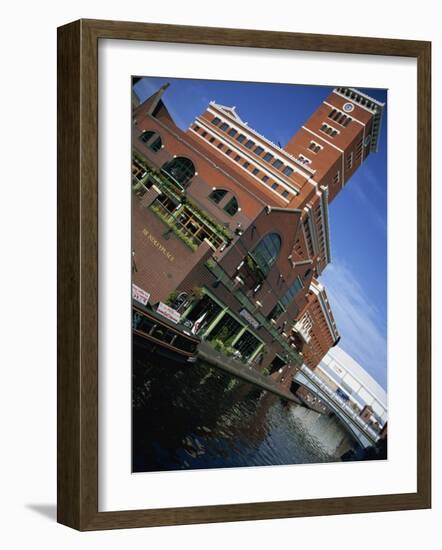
[{"x": 377, "y": 112}]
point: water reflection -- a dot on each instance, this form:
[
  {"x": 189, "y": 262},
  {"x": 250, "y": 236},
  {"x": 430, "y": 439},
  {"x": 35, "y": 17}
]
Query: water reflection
[{"x": 196, "y": 416}]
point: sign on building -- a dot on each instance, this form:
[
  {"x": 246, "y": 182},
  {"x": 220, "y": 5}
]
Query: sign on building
[
  {"x": 168, "y": 312},
  {"x": 140, "y": 295},
  {"x": 249, "y": 318}
]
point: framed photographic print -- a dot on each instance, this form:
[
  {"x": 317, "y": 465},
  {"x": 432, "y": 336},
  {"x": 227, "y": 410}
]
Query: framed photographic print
[{"x": 244, "y": 275}]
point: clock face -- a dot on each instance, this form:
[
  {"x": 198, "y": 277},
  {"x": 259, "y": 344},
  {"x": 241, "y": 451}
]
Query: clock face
[{"x": 348, "y": 107}]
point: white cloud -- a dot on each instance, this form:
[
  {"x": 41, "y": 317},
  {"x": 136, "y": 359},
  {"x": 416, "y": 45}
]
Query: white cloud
[{"x": 361, "y": 326}]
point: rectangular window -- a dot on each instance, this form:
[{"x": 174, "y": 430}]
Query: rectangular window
[
  {"x": 277, "y": 163},
  {"x": 275, "y": 186},
  {"x": 246, "y": 164},
  {"x": 340, "y": 117},
  {"x": 229, "y": 152},
  {"x": 288, "y": 171},
  {"x": 237, "y": 158},
  {"x": 232, "y": 132},
  {"x": 212, "y": 139},
  {"x": 220, "y": 145},
  {"x": 350, "y": 161},
  {"x": 329, "y": 130},
  {"x": 315, "y": 147},
  {"x": 255, "y": 171},
  {"x": 259, "y": 150},
  {"x": 337, "y": 177},
  {"x": 204, "y": 134},
  {"x": 196, "y": 127},
  {"x": 250, "y": 143},
  {"x": 216, "y": 121},
  {"x": 285, "y": 194},
  {"x": 304, "y": 160},
  {"x": 265, "y": 178},
  {"x": 241, "y": 138},
  {"x": 268, "y": 157},
  {"x": 224, "y": 126}
]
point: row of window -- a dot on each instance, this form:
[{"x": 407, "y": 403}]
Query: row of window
[
  {"x": 315, "y": 147},
  {"x": 248, "y": 166},
  {"x": 329, "y": 130},
  {"x": 257, "y": 149},
  {"x": 340, "y": 117}
]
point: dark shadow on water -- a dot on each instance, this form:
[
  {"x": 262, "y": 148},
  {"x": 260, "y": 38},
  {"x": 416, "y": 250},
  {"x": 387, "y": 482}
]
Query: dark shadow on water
[{"x": 49, "y": 511}]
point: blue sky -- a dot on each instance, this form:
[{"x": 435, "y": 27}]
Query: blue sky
[{"x": 356, "y": 280}]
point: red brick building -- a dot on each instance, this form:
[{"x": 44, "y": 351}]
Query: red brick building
[
  {"x": 315, "y": 330},
  {"x": 231, "y": 229}
]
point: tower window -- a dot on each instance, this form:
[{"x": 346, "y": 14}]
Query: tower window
[
  {"x": 329, "y": 130},
  {"x": 315, "y": 147}
]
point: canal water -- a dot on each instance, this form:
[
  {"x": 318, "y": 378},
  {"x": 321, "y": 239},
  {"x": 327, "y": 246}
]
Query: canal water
[{"x": 197, "y": 416}]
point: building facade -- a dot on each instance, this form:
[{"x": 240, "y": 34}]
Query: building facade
[
  {"x": 356, "y": 387},
  {"x": 232, "y": 231},
  {"x": 315, "y": 331}
]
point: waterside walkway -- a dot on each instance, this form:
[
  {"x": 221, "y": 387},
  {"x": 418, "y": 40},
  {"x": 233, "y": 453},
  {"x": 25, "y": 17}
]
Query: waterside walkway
[{"x": 217, "y": 359}]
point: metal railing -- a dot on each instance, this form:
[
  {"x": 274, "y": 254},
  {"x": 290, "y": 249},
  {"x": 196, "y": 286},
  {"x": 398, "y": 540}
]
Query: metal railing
[
  {"x": 222, "y": 276},
  {"x": 340, "y": 402},
  {"x": 175, "y": 225}
]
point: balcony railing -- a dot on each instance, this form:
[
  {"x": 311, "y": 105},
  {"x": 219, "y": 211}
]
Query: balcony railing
[
  {"x": 176, "y": 226},
  {"x": 218, "y": 234}
]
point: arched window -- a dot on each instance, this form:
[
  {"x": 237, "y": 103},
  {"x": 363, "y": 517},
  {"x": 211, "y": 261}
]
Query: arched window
[
  {"x": 217, "y": 195},
  {"x": 152, "y": 140},
  {"x": 266, "y": 251},
  {"x": 231, "y": 207},
  {"x": 181, "y": 169}
]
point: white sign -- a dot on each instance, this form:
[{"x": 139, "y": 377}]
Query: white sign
[
  {"x": 249, "y": 318},
  {"x": 168, "y": 312},
  {"x": 140, "y": 295}
]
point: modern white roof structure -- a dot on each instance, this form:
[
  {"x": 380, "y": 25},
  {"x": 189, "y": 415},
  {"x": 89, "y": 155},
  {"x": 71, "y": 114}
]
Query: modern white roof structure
[{"x": 355, "y": 381}]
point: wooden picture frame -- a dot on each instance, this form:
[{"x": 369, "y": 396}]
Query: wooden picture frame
[{"x": 78, "y": 274}]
